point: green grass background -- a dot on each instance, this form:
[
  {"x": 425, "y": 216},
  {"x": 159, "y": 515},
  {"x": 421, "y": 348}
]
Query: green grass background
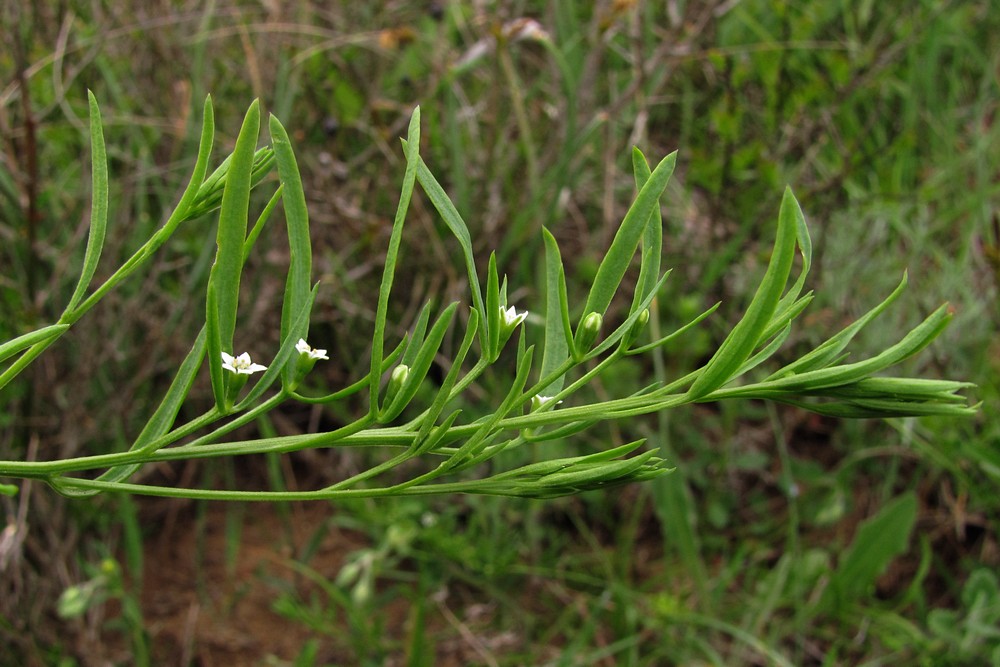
[{"x": 782, "y": 538}]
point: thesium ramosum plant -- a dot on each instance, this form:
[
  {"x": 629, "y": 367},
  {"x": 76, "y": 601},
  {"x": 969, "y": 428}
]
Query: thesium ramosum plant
[{"x": 540, "y": 403}]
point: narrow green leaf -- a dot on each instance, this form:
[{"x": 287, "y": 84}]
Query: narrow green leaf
[
  {"x": 783, "y": 316},
  {"x": 98, "y": 204},
  {"x": 287, "y": 354},
  {"x": 652, "y": 237},
  {"x": 412, "y": 150},
  {"x": 591, "y": 474},
  {"x": 421, "y": 365},
  {"x": 878, "y": 542},
  {"x": 209, "y": 195},
  {"x": 804, "y": 243},
  {"x": 298, "y": 282},
  {"x": 619, "y": 255},
  {"x": 417, "y": 337},
  {"x": 612, "y": 339},
  {"x": 558, "y": 332},
  {"x": 553, "y": 466},
  {"x": 454, "y": 221},
  {"x": 913, "y": 342},
  {"x": 444, "y": 392},
  {"x": 671, "y": 336},
  {"x": 214, "y": 349},
  {"x": 826, "y": 352},
  {"x": 492, "y": 315},
  {"x": 24, "y": 341},
  {"x": 765, "y": 352},
  {"x": 262, "y": 219},
  {"x": 466, "y": 454},
  {"x": 435, "y": 434},
  {"x": 742, "y": 340},
  {"x": 224, "y": 279},
  {"x": 881, "y": 409},
  {"x": 164, "y": 233},
  {"x": 908, "y": 389},
  {"x": 164, "y": 416}
]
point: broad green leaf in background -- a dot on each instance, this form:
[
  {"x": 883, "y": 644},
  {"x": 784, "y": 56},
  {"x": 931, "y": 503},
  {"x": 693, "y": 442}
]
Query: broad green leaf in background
[{"x": 878, "y": 542}]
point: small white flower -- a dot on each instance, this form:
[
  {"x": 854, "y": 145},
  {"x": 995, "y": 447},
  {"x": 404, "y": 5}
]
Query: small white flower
[
  {"x": 241, "y": 364},
  {"x": 539, "y": 400},
  {"x": 511, "y": 318},
  {"x": 303, "y": 348}
]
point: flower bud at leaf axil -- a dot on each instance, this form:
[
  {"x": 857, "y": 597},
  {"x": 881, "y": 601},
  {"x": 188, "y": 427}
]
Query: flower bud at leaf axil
[
  {"x": 396, "y": 381},
  {"x": 636, "y": 329},
  {"x": 587, "y": 333}
]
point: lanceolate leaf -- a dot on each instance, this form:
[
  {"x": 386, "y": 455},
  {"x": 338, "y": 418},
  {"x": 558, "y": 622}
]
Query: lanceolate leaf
[
  {"x": 913, "y": 342},
  {"x": 224, "y": 280},
  {"x": 411, "y": 147},
  {"x": 453, "y": 219},
  {"x": 298, "y": 284},
  {"x": 12, "y": 347},
  {"x": 616, "y": 260},
  {"x": 878, "y": 542},
  {"x": 298, "y": 281},
  {"x": 98, "y": 205},
  {"x": 163, "y": 419},
  {"x": 742, "y": 340},
  {"x": 828, "y": 351},
  {"x": 558, "y": 334},
  {"x": 652, "y": 237}
]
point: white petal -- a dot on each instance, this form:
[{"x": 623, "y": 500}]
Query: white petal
[{"x": 302, "y": 347}]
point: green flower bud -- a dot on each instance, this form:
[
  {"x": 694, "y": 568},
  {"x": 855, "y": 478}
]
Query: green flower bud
[
  {"x": 396, "y": 380},
  {"x": 636, "y": 330},
  {"x": 587, "y": 333}
]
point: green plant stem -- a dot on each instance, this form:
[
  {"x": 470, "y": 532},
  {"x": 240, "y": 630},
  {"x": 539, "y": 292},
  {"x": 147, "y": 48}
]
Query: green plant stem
[{"x": 242, "y": 420}]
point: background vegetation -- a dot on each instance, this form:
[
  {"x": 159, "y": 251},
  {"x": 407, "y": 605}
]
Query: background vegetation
[{"x": 783, "y": 538}]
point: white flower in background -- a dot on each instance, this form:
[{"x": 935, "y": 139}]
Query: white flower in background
[
  {"x": 511, "y": 318},
  {"x": 303, "y": 348},
  {"x": 241, "y": 365}
]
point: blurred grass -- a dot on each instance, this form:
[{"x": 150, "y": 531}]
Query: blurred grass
[{"x": 882, "y": 118}]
